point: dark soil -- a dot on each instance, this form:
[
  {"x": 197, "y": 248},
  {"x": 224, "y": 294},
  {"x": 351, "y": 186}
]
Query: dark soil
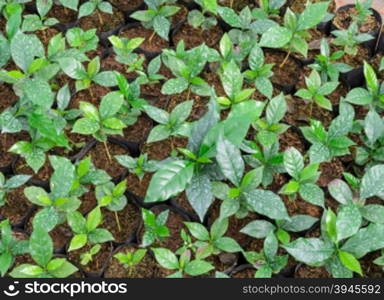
[{"x": 152, "y": 43}]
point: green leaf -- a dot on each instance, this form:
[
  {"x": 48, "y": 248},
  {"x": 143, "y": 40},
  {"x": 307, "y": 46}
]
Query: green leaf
[
  {"x": 198, "y": 231},
  {"x": 106, "y": 78},
  {"x": 348, "y": 221},
  {"x": 26, "y": 271},
  {"x": 370, "y": 78},
  {"x": 371, "y": 184},
  {"x": 350, "y": 262},
  {"x": 359, "y": 96},
  {"x": 169, "y": 181},
  {"x": 311, "y": 251},
  {"x": 16, "y": 181},
  {"x": 312, "y": 15},
  {"x": 340, "y": 191},
  {"x": 38, "y": 92},
  {"x": 312, "y": 193},
  {"x": 111, "y": 104},
  {"x": 157, "y": 114},
  {"x": 373, "y": 213},
  {"x": 77, "y": 222},
  {"x": 368, "y": 239},
  {"x": 276, "y": 109},
  {"x": 271, "y": 244},
  {"x": 94, "y": 219},
  {"x": 299, "y": 223},
  {"x": 373, "y": 126},
  {"x": 64, "y": 271},
  {"x": 46, "y": 218},
  {"x": 199, "y": 194},
  {"x": 63, "y": 176},
  {"x": 86, "y": 126},
  {"x": 227, "y": 244},
  {"x": 37, "y": 196},
  {"x": 24, "y": 48},
  {"x": 293, "y": 162},
  {"x": 100, "y": 235},
  {"x": 267, "y": 203},
  {"x": 166, "y": 258},
  {"x": 232, "y": 79},
  {"x": 86, "y": 9},
  {"x": 78, "y": 241},
  {"x": 162, "y": 26},
  {"x": 258, "y": 229},
  {"x": 276, "y": 37},
  {"x": 198, "y": 267},
  {"x": 41, "y": 246},
  {"x": 174, "y": 86},
  {"x": 230, "y": 160}
]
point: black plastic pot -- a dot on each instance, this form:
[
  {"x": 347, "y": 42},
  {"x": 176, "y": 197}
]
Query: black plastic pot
[
  {"x": 148, "y": 54},
  {"x": 375, "y": 33},
  {"x": 353, "y": 78},
  {"x": 8, "y": 168}
]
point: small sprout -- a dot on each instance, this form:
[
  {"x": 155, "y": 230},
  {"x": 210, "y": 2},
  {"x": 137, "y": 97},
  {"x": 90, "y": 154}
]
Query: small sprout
[
  {"x": 138, "y": 166},
  {"x": 131, "y": 259},
  {"x": 7, "y": 185},
  {"x": 87, "y": 257},
  {"x": 316, "y": 91},
  {"x": 155, "y": 227}
]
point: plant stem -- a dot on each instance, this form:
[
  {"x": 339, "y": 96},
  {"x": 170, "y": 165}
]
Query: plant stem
[
  {"x": 100, "y": 17},
  {"x": 107, "y": 151},
  {"x": 231, "y": 3},
  {"x": 117, "y": 221},
  {"x": 285, "y": 59},
  {"x": 189, "y": 93},
  {"x": 152, "y": 36},
  {"x": 310, "y": 109}
]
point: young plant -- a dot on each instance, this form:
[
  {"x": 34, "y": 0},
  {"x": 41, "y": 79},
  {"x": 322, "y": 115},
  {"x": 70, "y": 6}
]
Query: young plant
[
  {"x": 124, "y": 48},
  {"x": 232, "y": 81},
  {"x": 41, "y": 251},
  {"x": 84, "y": 77},
  {"x": 152, "y": 75},
  {"x": 212, "y": 242},
  {"x": 186, "y": 65},
  {"x": 40, "y": 21},
  {"x": 10, "y": 247},
  {"x": 260, "y": 72},
  {"x": 6, "y": 185},
  {"x": 268, "y": 8},
  {"x": 267, "y": 262},
  {"x": 292, "y": 35},
  {"x": 204, "y": 18},
  {"x": 101, "y": 122},
  {"x": 331, "y": 143},
  {"x": 63, "y": 99},
  {"x": 326, "y": 63},
  {"x": 355, "y": 195},
  {"x": 350, "y": 39},
  {"x": 269, "y": 158},
  {"x": 155, "y": 227},
  {"x": 261, "y": 229},
  {"x": 170, "y": 124},
  {"x": 194, "y": 172},
  {"x": 87, "y": 174},
  {"x": 90, "y": 6},
  {"x": 138, "y": 166},
  {"x": 372, "y": 151},
  {"x": 373, "y": 95},
  {"x": 131, "y": 259},
  {"x": 316, "y": 91},
  {"x": 112, "y": 197},
  {"x": 245, "y": 26},
  {"x": 269, "y": 128},
  {"x": 57, "y": 204},
  {"x": 157, "y": 16},
  {"x": 363, "y": 9},
  {"x": 303, "y": 180},
  {"x": 82, "y": 40},
  {"x": 184, "y": 264},
  {"x": 86, "y": 229},
  {"x": 87, "y": 257}
]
